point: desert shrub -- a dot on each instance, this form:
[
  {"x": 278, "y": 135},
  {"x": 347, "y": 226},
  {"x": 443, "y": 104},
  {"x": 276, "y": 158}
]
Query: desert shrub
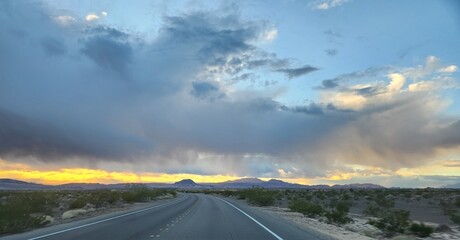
[
  {"x": 136, "y": 194},
  {"x": 457, "y": 202},
  {"x": 140, "y": 193},
  {"x": 172, "y": 192},
  {"x": 20, "y": 211},
  {"x": 306, "y": 208},
  {"x": 343, "y": 206},
  {"x": 258, "y": 196},
  {"x": 102, "y": 197},
  {"x": 227, "y": 193},
  {"x": 320, "y": 195},
  {"x": 34, "y": 202},
  {"x": 392, "y": 221},
  {"x": 455, "y": 218},
  {"x": 17, "y": 217},
  {"x": 421, "y": 230},
  {"x": 427, "y": 195},
  {"x": 279, "y": 196},
  {"x": 339, "y": 213},
  {"x": 445, "y": 206},
  {"x": 78, "y": 202},
  {"x": 373, "y": 209},
  {"x": 408, "y": 195},
  {"x": 131, "y": 196},
  {"x": 346, "y": 197},
  {"x": 449, "y": 208},
  {"x": 384, "y": 200},
  {"x": 335, "y": 216}
]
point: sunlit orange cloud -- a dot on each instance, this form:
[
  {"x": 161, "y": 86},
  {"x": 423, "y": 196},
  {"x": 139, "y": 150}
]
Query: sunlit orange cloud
[
  {"x": 441, "y": 168},
  {"x": 355, "y": 171},
  {"x": 84, "y": 175}
]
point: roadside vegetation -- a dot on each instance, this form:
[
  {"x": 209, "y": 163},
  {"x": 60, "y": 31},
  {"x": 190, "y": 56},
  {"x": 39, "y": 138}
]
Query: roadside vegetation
[
  {"x": 24, "y": 210},
  {"x": 388, "y": 210}
]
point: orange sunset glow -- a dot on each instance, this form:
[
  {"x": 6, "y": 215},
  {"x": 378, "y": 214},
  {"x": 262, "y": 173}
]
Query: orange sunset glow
[{"x": 85, "y": 175}]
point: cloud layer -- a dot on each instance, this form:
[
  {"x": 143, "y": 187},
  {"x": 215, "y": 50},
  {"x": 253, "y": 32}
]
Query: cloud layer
[{"x": 97, "y": 94}]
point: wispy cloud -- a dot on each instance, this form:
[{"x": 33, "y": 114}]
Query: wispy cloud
[
  {"x": 90, "y": 17},
  {"x": 297, "y": 72},
  {"x": 449, "y": 69},
  {"x": 64, "y": 19},
  {"x": 328, "y": 4}
]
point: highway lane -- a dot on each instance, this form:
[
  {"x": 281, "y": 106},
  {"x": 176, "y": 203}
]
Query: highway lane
[{"x": 190, "y": 216}]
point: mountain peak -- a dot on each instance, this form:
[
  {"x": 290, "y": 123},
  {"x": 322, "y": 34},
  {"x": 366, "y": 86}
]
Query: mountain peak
[
  {"x": 8, "y": 180},
  {"x": 275, "y": 181},
  {"x": 188, "y": 182},
  {"x": 7, "y": 184},
  {"x": 246, "y": 180}
]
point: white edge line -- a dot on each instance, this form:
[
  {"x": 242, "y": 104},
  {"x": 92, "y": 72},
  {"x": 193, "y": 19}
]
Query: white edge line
[
  {"x": 101, "y": 221},
  {"x": 247, "y": 215}
]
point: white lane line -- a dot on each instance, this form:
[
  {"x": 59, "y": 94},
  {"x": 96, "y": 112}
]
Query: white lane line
[
  {"x": 104, "y": 220},
  {"x": 247, "y": 215}
]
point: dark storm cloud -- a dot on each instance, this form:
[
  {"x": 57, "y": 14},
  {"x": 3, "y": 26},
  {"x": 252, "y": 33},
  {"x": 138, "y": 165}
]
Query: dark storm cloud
[
  {"x": 269, "y": 60},
  {"x": 205, "y": 90},
  {"x": 367, "y": 91},
  {"x": 108, "y": 53},
  {"x": 297, "y": 72},
  {"x": 225, "y": 43},
  {"x": 21, "y": 136},
  {"x": 74, "y": 109},
  {"x": 313, "y": 109},
  {"x": 214, "y": 37},
  {"x": 53, "y": 46},
  {"x": 106, "y": 31},
  {"x": 57, "y": 108},
  {"x": 451, "y": 134},
  {"x": 328, "y": 84}
]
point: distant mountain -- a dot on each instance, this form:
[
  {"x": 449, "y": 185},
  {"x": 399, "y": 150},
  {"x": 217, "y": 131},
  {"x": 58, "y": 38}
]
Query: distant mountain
[
  {"x": 240, "y": 183},
  {"x": 82, "y": 186},
  {"x": 11, "y": 184},
  {"x": 275, "y": 183},
  {"x": 255, "y": 182},
  {"x": 187, "y": 183},
  {"x": 246, "y": 180},
  {"x": 158, "y": 185},
  {"x": 455, "y": 185},
  {"x": 358, "y": 186}
]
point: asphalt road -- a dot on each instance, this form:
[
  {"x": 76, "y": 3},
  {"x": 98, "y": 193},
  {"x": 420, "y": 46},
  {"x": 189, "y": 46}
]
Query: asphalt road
[{"x": 189, "y": 216}]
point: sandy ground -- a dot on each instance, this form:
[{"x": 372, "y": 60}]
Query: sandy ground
[{"x": 358, "y": 230}]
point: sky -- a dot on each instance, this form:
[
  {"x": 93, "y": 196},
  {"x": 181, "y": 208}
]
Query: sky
[{"x": 312, "y": 92}]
